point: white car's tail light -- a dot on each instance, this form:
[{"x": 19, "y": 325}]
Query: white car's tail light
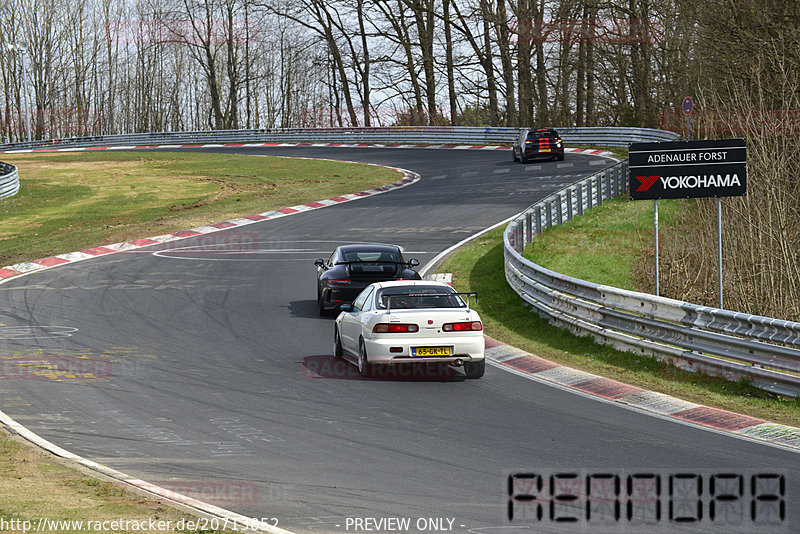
[
  {"x": 394, "y": 328},
  {"x": 463, "y": 327}
]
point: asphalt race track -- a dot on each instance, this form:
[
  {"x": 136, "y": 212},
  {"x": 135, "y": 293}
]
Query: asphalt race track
[{"x": 217, "y": 379}]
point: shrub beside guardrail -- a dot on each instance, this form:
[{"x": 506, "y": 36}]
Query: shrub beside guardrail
[{"x": 719, "y": 342}]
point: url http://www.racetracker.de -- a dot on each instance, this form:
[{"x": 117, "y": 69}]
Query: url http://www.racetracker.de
[{"x": 44, "y": 524}]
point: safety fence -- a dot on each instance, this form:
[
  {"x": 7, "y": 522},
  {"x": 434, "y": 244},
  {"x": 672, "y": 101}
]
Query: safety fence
[
  {"x": 734, "y": 345},
  {"x": 9, "y": 180},
  {"x": 392, "y": 135}
]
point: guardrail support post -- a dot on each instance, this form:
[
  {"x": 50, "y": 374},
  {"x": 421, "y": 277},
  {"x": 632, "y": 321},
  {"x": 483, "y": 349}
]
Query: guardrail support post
[
  {"x": 528, "y": 228},
  {"x": 580, "y": 199},
  {"x": 589, "y": 194},
  {"x": 599, "y": 190},
  {"x": 560, "y": 210},
  {"x": 538, "y": 220},
  {"x": 625, "y": 172},
  {"x": 609, "y": 195},
  {"x": 569, "y": 204},
  {"x": 549, "y": 222}
]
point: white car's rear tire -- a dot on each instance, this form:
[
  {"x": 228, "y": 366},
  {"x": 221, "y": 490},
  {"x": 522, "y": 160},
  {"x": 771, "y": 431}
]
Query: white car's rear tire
[
  {"x": 364, "y": 367},
  {"x": 337, "y": 345},
  {"x": 474, "y": 369}
]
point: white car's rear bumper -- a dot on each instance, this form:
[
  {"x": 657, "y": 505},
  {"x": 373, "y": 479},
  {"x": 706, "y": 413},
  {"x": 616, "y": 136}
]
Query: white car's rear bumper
[{"x": 467, "y": 348}]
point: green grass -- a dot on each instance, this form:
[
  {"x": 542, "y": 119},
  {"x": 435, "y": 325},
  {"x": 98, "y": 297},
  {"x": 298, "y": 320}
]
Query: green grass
[
  {"x": 34, "y": 485},
  {"x": 603, "y": 246},
  {"x": 73, "y": 201},
  {"x": 478, "y": 266}
]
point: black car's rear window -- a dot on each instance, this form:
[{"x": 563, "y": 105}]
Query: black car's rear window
[
  {"x": 419, "y": 297},
  {"x": 371, "y": 255},
  {"x": 540, "y": 135}
]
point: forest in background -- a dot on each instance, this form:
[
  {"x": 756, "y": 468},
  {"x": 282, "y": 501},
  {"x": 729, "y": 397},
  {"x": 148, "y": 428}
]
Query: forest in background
[{"x": 121, "y": 66}]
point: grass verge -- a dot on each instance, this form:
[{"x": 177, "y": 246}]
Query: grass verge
[
  {"x": 71, "y": 201},
  {"x": 36, "y": 486},
  {"x": 478, "y": 266}
]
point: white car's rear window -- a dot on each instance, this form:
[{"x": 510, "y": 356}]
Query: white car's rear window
[{"x": 419, "y": 297}]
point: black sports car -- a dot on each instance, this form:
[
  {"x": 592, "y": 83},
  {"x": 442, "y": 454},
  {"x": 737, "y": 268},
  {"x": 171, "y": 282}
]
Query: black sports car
[{"x": 351, "y": 268}]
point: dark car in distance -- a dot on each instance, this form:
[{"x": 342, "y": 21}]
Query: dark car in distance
[
  {"x": 538, "y": 142},
  {"x": 351, "y": 268}
]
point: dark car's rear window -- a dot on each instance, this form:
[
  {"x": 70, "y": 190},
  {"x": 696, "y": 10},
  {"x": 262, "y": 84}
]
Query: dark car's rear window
[
  {"x": 540, "y": 135},
  {"x": 371, "y": 255}
]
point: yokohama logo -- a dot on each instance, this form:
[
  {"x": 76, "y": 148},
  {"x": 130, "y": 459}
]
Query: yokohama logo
[
  {"x": 646, "y": 182},
  {"x": 689, "y": 182}
]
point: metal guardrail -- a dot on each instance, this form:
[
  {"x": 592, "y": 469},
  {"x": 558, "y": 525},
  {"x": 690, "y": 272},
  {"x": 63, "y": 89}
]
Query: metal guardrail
[
  {"x": 398, "y": 134},
  {"x": 734, "y": 345},
  {"x": 9, "y": 180}
]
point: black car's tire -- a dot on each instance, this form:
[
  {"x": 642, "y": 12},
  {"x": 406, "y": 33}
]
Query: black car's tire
[
  {"x": 474, "y": 369},
  {"x": 337, "y": 345},
  {"x": 364, "y": 367},
  {"x": 560, "y": 157},
  {"x": 513, "y": 155},
  {"x": 323, "y": 311}
]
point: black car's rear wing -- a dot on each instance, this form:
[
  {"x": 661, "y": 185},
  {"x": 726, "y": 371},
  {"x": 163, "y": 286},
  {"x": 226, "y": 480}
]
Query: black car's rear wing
[{"x": 389, "y": 298}]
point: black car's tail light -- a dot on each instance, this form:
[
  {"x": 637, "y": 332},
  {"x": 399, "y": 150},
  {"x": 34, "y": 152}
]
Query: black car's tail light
[
  {"x": 394, "y": 328},
  {"x": 339, "y": 282}
]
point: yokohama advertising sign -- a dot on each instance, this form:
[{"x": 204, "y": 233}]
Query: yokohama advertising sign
[{"x": 688, "y": 169}]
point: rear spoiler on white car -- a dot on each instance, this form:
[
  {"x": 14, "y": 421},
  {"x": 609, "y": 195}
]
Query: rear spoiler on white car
[{"x": 468, "y": 294}]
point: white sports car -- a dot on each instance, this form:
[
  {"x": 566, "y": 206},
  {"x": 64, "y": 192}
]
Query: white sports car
[{"x": 410, "y": 321}]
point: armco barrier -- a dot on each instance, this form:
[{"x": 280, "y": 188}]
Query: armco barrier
[
  {"x": 720, "y": 342},
  {"x": 400, "y": 134},
  {"x": 9, "y": 180}
]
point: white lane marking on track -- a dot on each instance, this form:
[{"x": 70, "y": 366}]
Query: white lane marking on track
[
  {"x": 500, "y": 171},
  {"x": 533, "y": 168},
  {"x": 206, "y": 252},
  {"x": 36, "y": 332}
]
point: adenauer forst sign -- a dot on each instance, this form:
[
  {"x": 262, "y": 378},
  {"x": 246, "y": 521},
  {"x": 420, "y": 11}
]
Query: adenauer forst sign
[{"x": 688, "y": 169}]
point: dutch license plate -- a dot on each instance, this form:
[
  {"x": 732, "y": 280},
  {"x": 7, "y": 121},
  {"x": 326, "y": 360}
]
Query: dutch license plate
[
  {"x": 544, "y": 150},
  {"x": 430, "y": 351}
]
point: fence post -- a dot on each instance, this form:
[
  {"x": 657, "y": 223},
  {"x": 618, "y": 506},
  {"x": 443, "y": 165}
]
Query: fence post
[
  {"x": 549, "y": 222},
  {"x": 528, "y": 228},
  {"x": 569, "y": 204},
  {"x": 538, "y": 220},
  {"x": 624, "y": 179},
  {"x": 559, "y": 210},
  {"x": 599, "y": 190},
  {"x": 580, "y": 199}
]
